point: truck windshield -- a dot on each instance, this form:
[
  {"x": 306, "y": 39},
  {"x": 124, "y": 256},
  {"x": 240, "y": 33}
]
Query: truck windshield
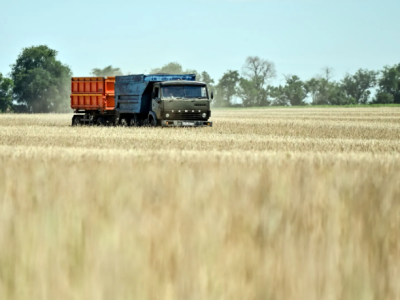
[{"x": 184, "y": 91}]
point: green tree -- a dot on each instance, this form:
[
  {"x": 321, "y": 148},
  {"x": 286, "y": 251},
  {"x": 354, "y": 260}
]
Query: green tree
[
  {"x": 319, "y": 88},
  {"x": 315, "y": 86},
  {"x": 226, "y": 89},
  {"x": 176, "y": 68},
  {"x": 389, "y": 84},
  {"x": 170, "y": 68},
  {"x": 256, "y": 73},
  {"x": 107, "y": 71},
  {"x": 205, "y": 77},
  {"x": 252, "y": 96},
  {"x": 384, "y": 98},
  {"x": 6, "y": 87},
  {"x": 359, "y": 85},
  {"x": 295, "y": 90},
  {"x": 41, "y": 82},
  {"x": 337, "y": 96},
  {"x": 324, "y": 91},
  {"x": 279, "y": 96}
]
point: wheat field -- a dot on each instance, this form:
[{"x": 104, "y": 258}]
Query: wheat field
[{"x": 267, "y": 204}]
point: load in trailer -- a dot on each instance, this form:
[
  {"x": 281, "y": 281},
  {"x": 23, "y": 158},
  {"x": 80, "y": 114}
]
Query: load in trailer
[{"x": 138, "y": 100}]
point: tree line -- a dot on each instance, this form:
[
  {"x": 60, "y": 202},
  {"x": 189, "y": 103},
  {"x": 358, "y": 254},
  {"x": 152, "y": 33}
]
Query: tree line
[
  {"x": 252, "y": 86},
  {"x": 40, "y": 83}
]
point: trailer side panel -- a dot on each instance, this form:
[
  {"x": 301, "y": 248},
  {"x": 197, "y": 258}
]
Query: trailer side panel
[{"x": 92, "y": 93}]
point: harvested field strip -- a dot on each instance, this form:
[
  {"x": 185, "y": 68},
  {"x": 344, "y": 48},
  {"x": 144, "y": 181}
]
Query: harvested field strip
[
  {"x": 182, "y": 225},
  {"x": 252, "y": 158},
  {"x": 268, "y": 204},
  {"x": 146, "y": 141}
]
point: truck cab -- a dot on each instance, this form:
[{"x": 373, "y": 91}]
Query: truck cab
[{"x": 180, "y": 103}]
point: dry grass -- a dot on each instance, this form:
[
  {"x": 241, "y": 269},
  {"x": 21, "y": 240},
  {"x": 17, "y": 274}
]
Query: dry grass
[{"x": 268, "y": 204}]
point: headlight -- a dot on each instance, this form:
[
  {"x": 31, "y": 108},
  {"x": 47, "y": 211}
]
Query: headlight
[
  {"x": 167, "y": 115},
  {"x": 204, "y": 115}
]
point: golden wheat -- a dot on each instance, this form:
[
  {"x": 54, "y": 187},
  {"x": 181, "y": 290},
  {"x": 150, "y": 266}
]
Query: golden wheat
[{"x": 267, "y": 204}]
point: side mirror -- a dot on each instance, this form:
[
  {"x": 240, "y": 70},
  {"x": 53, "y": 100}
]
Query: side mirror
[{"x": 212, "y": 95}]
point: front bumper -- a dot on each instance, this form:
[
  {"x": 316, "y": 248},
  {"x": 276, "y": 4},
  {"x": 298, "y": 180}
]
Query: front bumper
[{"x": 185, "y": 123}]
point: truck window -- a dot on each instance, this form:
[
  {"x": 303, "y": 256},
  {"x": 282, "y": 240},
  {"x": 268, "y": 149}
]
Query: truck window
[
  {"x": 156, "y": 92},
  {"x": 195, "y": 92},
  {"x": 181, "y": 91}
]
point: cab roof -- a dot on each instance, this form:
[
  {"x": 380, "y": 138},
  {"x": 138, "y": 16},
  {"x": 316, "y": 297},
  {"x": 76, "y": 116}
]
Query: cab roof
[{"x": 182, "y": 82}]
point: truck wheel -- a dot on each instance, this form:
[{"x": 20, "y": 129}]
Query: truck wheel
[
  {"x": 132, "y": 123},
  {"x": 152, "y": 122},
  {"x": 137, "y": 122},
  {"x": 76, "y": 121},
  {"x": 123, "y": 123},
  {"x": 101, "y": 121},
  {"x": 129, "y": 122}
]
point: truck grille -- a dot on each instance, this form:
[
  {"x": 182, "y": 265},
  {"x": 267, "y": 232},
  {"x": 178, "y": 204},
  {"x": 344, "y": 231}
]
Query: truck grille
[{"x": 186, "y": 116}]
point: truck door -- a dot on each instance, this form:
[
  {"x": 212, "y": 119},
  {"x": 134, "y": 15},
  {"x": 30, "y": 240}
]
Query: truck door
[{"x": 156, "y": 101}]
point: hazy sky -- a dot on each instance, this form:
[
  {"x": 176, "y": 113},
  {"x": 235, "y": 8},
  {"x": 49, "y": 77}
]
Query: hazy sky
[{"x": 299, "y": 36}]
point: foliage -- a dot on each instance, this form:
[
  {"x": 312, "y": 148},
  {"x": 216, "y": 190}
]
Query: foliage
[
  {"x": 295, "y": 90},
  {"x": 227, "y": 89},
  {"x": 359, "y": 85},
  {"x": 337, "y": 96},
  {"x": 176, "y": 68},
  {"x": 384, "y": 98},
  {"x": 41, "y": 82},
  {"x": 389, "y": 85},
  {"x": 323, "y": 91},
  {"x": 107, "y": 71},
  {"x": 279, "y": 97},
  {"x": 293, "y": 93},
  {"x": 250, "y": 95},
  {"x": 205, "y": 77},
  {"x": 170, "y": 68},
  {"x": 6, "y": 87},
  {"x": 256, "y": 73}
]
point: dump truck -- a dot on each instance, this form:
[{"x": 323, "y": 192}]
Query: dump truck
[{"x": 141, "y": 100}]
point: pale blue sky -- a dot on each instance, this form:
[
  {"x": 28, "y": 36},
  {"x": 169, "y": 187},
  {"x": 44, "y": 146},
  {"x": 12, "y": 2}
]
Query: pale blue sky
[{"x": 299, "y": 36}]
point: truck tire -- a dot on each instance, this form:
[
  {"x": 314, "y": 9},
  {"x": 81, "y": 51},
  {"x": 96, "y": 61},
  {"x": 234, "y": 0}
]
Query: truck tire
[
  {"x": 101, "y": 121},
  {"x": 128, "y": 122},
  {"x": 152, "y": 119},
  {"x": 76, "y": 121},
  {"x": 132, "y": 122},
  {"x": 123, "y": 122},
  {"x": 152, "y": 122},
  {"x": 137, "y": 122}
]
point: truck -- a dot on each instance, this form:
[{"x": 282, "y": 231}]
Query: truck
[{"x": 141, "y": 100}]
